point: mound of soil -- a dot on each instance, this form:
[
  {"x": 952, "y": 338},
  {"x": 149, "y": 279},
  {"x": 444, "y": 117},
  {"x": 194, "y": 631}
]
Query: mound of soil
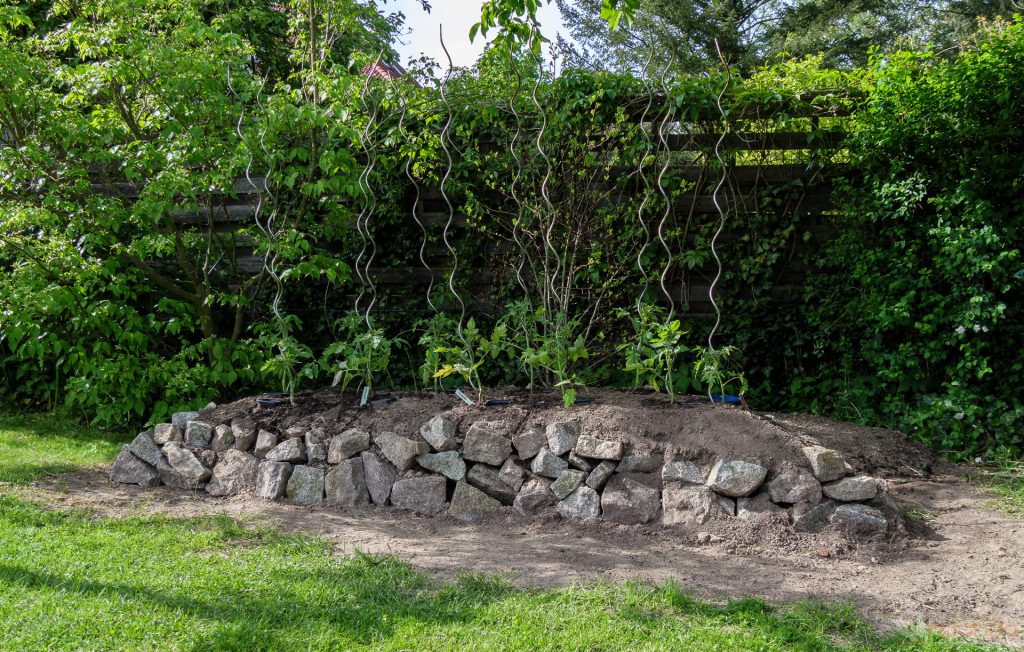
[{"x": 690, "y": 428}]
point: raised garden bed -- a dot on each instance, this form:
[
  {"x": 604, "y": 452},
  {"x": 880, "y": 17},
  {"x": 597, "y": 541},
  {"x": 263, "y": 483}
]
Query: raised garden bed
[{"x": 626, "y": 458}]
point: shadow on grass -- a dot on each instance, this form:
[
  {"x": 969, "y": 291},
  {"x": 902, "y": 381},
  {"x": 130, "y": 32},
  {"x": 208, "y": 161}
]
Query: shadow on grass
[{"x": 211, "y": 583}]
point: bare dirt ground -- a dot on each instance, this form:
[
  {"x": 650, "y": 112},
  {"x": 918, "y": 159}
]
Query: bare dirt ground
[
  {"x": 953, "y": 565},
  {"x": 961, "y": 571}
]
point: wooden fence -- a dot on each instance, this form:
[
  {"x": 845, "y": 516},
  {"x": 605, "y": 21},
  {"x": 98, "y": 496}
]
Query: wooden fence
[{"x": 800, "y": 165}]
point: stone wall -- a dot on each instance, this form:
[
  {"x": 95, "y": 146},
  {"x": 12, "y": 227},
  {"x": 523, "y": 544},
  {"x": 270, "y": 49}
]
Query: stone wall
[{"x": 482, "y": 471}]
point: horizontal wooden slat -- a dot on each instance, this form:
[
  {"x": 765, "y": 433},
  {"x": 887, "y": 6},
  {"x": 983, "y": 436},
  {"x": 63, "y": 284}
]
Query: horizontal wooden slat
[
  {"x": 786, "y": 140},
  {"x": 242, "y": 186},
  {"x": 741, "y": 174}
]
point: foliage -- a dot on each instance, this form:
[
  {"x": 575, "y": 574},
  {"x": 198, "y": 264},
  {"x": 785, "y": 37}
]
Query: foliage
[
  {"x": 292, "y": 362},
  {"x": 652, "y": 356},
  {"x": 435, "y": 333},
  {"x": 123, "y": 130},
  {"x": 716, "y": 369},
  {"x": 687, "y": 36},
  {"x": 918, "y": 333},
  {"x": 517, "y": 22},
  {"x": 127, "y": 132},
  {"x": 364, "y": 352},
  {"x": 465, "y": 350},
  {"x": 558, "y": 351}
]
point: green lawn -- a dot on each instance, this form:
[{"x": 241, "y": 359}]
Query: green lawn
[
  {"x": 70, "y": 580},
  {"x": 1007, "y": 483},
  {"x": 33, "y": 445}
]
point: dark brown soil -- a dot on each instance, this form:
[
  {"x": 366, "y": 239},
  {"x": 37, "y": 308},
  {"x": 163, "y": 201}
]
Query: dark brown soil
[{"x": 692, "y": 427}]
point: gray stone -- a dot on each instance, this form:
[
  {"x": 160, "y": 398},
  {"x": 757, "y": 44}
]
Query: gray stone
[
  {"x": 210, "y": 405},
  {"x": 728, "y": 505},
  {"x": 641, "y": 461},
  {"x": 690, "y": 504},
  {"x": 567, "y": 483},
  {"x": 294, "y": 432},
  {"x": 345, "y": 484},
  {"x": 826, "y": 464},
  {"x": 885, "y": 504},
  {"x": 682, "y": 471},
  {"x": 534, "y": 496},
  {"x": 630, "y": 499},
  {"x": 306, "y": 485},
  {"x": 529, "y": 443},
  {"x": 471, "y": 504},
  {"x": 129, "y": 469},
  {"x": 577, "y": 462},
  {"x": 753, "y": 506},
  {"x": 316, "y": 454},
  {"x": 599, "y": 476},
  {"x": 815, "y": 518},
  {"x": 548, "y": 464},
  {"x": 198, "y": 433},
  {"x": 439, "y": 432},
  {"x": 170, "y": 477},
  {"x": 598, "y": 449},
  {"x": 583, "y": 504},
  {"x": 380, "y": 476},
  {"x": 272, "y": 479},
  {"x": 850, "y": 489},
  {"x": 735, "y": 478},
  {"x": 223, "y": 439},
  {"x": 205, "y": 456},
  {"x": 244, "y": 431},
  {"x": 144, "y": 448},
  {"x": 449, "y": 464},
  {"x": 348, "y": 444},
  {"x": 562, "y": 436},
  {"x": 181, "y": 419},
  {"x": 484, "y": 444},
  {"x": 792, "y": 488},
  {"x": 316, "y": 446},
  {"x": 424, "y": 495},
  {"x": 265, "y": 442},
  {"x": 513, "y": 473},
  {"x": 859, "y": 519},
  {"x": 186, "y": 464},
  {"x": 290, "y": 450},
  {"x": 165, "y": 432},
  {"x": 401, "y": 451},
  {"x": 235, "y": 473},
  {"x": 486, "y": 479}
]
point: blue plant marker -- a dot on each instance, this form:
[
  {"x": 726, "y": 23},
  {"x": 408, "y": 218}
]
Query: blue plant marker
[
  {"x": 365, "y": 397},
  {"x": 462, "y": 395},
  {"x": 728, "y": 399}
]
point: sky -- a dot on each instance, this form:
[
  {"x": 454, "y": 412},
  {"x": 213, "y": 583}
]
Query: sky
[{"x": 456, "y": 16}]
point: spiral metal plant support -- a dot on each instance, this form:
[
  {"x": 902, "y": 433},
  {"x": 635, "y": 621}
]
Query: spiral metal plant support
[
  {"x": 369, "y": 202},
  {"x": 446, "y": 146},
  {"x": 520, "y": 213},
  {"x": 407, "y": 168},
  {"x": 644, "y": 180},
  {"x": 551, "y": 296},
  {"x": 263, "y": 194},
  {"x": 669, "y": 211},
  {"x": 715, "y": 199}
]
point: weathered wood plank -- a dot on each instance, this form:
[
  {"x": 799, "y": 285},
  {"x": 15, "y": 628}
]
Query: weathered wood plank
[{"x": 757, "y": 141}]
